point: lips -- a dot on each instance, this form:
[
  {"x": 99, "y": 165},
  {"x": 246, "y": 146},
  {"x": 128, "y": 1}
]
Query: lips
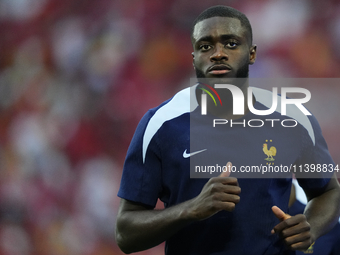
[{"x": 219, "y": 69}]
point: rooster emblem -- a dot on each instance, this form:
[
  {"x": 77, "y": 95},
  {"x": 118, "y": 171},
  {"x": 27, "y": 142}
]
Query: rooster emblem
[{"x": 270, "y": 153}]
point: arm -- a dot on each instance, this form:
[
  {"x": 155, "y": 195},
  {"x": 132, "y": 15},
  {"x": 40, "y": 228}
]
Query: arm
[
  {"x": 139, "y": 227},
  {"x": 323, "y": 208},
  {"x": 321, "y": 214}
]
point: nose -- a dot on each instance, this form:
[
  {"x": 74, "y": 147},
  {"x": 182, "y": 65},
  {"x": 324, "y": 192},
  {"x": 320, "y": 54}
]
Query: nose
[{"x": 219, "y": 54}]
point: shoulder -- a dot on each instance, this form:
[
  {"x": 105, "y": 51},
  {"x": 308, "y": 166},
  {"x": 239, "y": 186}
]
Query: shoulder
[
  {"x": 181, "y": 103},
  {"x": 289, "y": 107}
]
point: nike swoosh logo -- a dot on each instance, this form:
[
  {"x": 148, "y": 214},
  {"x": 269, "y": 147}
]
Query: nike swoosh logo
[{"x": 187, "y": 155}]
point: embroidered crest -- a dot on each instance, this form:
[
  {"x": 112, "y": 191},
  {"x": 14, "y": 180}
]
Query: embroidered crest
[{"x": 271, "y": 152}]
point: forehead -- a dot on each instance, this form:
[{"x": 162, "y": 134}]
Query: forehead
[{"x": 216, "y": 26}]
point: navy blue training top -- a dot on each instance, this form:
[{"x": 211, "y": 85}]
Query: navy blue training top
[{"x": 157, "y": 166}]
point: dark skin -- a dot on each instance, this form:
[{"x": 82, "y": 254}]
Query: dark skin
[
  {"x": 226, "y": 43},
  {"x": 299, "y": 231},
  {"x": 139, "y": 227},
  {"x": 222, "y": 54},
  {"x": 222, "y": 41}
]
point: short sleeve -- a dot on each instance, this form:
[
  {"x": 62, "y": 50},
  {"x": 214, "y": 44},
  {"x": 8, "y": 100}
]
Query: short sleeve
[
  {"x": 315, "y": 160},
  {"x": 141, "y": 180}
]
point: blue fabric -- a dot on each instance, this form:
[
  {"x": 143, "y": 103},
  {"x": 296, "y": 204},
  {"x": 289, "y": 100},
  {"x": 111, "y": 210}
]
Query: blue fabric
[{"x": 165, "y": 175}]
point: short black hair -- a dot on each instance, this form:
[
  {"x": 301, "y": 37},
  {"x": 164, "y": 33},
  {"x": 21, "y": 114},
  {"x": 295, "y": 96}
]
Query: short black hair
[{"x": 223, "y": 11}]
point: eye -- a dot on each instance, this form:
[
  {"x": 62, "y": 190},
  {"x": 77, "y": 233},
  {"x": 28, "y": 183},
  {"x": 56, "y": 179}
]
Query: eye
[
  {"x": 231, "y": 45},
  {"x": 205, "y": 47}
]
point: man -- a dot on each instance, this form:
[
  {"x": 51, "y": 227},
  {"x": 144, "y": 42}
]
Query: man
[{"x": 213, "y": 216}]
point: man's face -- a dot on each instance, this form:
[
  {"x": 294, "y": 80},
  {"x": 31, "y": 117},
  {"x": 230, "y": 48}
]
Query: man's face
[{"x": 222, "y": 48}]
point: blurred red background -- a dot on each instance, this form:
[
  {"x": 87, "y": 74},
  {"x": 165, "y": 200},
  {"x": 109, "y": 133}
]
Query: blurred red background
[{"x": 76, "y": 76}]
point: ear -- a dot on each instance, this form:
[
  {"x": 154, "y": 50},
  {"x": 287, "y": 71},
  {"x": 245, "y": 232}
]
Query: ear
[
  {"x": 193, "y": 59},
  {"x": 252, "y": 54}
]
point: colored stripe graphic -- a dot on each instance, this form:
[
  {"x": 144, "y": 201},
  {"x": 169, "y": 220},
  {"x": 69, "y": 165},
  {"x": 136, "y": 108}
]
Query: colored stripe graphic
[
  {"x": 210, "y": 95},
  {"x": 218, "y": 96}
]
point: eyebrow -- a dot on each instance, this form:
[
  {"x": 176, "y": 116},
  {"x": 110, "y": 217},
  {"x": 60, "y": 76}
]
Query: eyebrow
[{"x": 210, "y": 38}]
